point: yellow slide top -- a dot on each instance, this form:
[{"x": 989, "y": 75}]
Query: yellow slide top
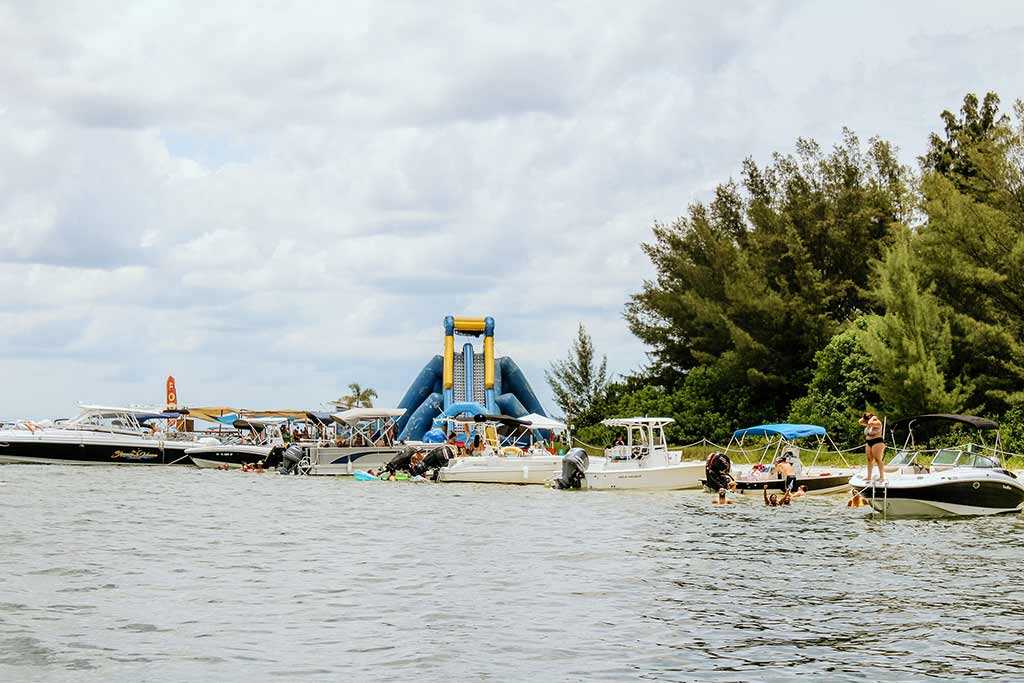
[{"x": 469, "y": 324}]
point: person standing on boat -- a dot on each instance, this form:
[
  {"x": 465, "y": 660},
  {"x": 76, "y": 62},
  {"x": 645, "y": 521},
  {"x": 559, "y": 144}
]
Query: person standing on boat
[{"x": 874, "y": 446}]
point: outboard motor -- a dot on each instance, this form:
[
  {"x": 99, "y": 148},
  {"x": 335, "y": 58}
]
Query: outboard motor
[
  {"x": 290, "y": 459},
  {"x": 434, "y": 460},
  {"x": 400, "y": 463},
  {"x": 273, "y": 458},
  {"x": 718, "y": 471},
  {"x": 574, "y": 468}
]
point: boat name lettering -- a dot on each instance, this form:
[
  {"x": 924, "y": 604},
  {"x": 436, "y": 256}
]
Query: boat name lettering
[{"x": 134, "y": 454}]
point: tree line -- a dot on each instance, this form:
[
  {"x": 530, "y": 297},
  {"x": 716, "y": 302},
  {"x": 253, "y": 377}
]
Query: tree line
[{"x": 828, "y": 282}]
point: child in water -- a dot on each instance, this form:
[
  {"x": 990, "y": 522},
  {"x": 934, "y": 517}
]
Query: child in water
[{"x": 721, "y": 500}]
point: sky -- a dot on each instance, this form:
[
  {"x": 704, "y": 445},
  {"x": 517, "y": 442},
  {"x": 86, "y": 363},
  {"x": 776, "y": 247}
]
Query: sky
[{"x": 271, "y": 200}]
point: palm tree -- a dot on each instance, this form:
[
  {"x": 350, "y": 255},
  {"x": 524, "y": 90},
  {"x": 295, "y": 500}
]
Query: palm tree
[{"x": 357, "y": 397}]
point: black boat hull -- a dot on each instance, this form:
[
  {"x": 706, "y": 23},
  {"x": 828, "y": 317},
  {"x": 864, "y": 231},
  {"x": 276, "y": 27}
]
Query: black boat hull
[
  {"x": 84, "y": 453},
  {"x": 946, "y": 498},
  {"x": 814, "y": 485}
]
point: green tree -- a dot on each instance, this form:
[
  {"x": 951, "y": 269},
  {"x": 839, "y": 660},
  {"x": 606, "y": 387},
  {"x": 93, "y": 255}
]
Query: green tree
[
  {"x": 971, "y": 247},
  {"x": 844, "y": 384},
  {"x": 758, "y": 280},
  {"x": 911, "y": 344},
  {"x": 579, "y": 382},
  {"x": 357, "y": 397}
]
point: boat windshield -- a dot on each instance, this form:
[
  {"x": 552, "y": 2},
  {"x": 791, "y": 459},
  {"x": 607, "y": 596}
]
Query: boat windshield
[
  {"x": 979, "y": 460},
  {"x": 946, "y": 457},
  {"x": 901, "y": 458}
]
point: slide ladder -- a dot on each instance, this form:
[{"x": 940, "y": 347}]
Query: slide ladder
[
  {"x": 478, "y": 377},
  {"x": 459, "y": 377}
]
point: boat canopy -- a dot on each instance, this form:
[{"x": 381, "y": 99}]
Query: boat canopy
[
  {"x": 540, "y": 422},
  {"x": 146, "y": 417},
  {"x": 257, "y": 424},
  {"x": 354, "y": 415},
  {"x": 785, "y": 430},
  {"x": 637, "y": 421},
  {"x": 928, "y": 425},
  {"x": 137, "y": 413},
  {"x": 506, "y": 420},
  {"x": 213, "y": 413}
]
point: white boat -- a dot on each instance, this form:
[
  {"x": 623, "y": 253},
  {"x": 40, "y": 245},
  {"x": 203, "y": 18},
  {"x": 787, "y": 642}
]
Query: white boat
[
  {"x": 508, "y": 451},
  {"x": 100, "y": 435},
  {"x": 781, "y": 444},
  {"x": 967, "y": 480},
  {"x": 357, "y": 439},
  {"x": 642, "y": 462},
  {"x": 255, "y": 442}
]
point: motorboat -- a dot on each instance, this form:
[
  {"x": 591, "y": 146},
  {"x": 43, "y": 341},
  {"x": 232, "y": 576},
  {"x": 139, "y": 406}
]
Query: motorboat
[
  {"x": 781, "y": 445},
  {"x": 357, "y": 439},
  {"x": 255, "y": 442},
  {"x": 499, "y": 449},
  {"x": 642, "y": 461},
  {"x": 966, "y": 480},
  {"x": 100, "y": 435}
]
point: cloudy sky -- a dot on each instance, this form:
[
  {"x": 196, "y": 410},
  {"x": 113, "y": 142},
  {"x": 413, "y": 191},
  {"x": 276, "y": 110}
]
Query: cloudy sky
[{"x": 272, "y": 201}]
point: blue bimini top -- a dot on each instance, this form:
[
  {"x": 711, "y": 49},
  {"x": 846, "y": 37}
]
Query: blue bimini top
[{"x": 785, "y": 430}]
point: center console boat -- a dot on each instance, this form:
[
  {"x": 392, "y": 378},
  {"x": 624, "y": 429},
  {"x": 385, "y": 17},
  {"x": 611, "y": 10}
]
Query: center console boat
[{"x": 642, "y": 461}]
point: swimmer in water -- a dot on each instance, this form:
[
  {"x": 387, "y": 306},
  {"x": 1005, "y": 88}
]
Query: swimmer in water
[
  {"x": 721, "y": 500},
  {"x": 857, "y": 501},
  {"x": 771, "y": 501}
]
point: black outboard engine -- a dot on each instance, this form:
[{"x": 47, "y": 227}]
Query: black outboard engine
[
  {"x": 400, "y": 463},
  {"x": 434, "y": 460},
  {"x": 290, "y": 459},
  {"x": 574, "y": 467},
  {"x": 273, "y": 458},
  {"x": 718, "y": 471}
]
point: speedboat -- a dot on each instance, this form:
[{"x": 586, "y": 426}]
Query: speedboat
[
  {"x": 357, "y": 439},
  {"x": 968, "y": 480},
  {"x": 780, "y": 446},
  {"x": 100, "y": 435},
  {"x": 504, "y": 450},
  {"x": 642, "y": 462},
  {"x": 257, "y": 440}
]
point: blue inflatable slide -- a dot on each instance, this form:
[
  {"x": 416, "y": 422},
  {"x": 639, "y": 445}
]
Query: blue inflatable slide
[{"x": 496, "y": 385}]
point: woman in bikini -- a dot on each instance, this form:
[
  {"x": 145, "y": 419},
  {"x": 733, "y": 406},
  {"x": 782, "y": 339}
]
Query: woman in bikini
[{"x": 874, "y": 446}]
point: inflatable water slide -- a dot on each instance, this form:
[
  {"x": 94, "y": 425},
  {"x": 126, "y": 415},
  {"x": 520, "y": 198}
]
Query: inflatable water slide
[{"x": 471, "y": 380}]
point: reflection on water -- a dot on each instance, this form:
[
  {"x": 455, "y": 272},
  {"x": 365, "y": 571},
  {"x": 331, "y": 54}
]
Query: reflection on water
[{"x": 180, "y": 574}]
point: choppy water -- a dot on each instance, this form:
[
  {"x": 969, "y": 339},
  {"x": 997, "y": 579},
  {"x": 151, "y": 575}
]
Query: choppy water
[{"x": 181, "y": 574}]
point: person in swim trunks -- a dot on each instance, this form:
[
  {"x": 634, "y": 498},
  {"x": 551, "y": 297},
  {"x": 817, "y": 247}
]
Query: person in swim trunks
[{"x": 784, "y": 470}]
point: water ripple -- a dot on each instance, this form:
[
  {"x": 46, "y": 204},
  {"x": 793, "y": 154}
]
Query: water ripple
[{"x": 178, "y": 574}]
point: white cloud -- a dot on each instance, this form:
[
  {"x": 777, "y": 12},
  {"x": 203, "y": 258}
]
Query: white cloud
[{"x": 271, "y": 202}]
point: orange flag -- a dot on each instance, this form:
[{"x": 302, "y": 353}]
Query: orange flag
[{"x": 172, "y": 394}]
